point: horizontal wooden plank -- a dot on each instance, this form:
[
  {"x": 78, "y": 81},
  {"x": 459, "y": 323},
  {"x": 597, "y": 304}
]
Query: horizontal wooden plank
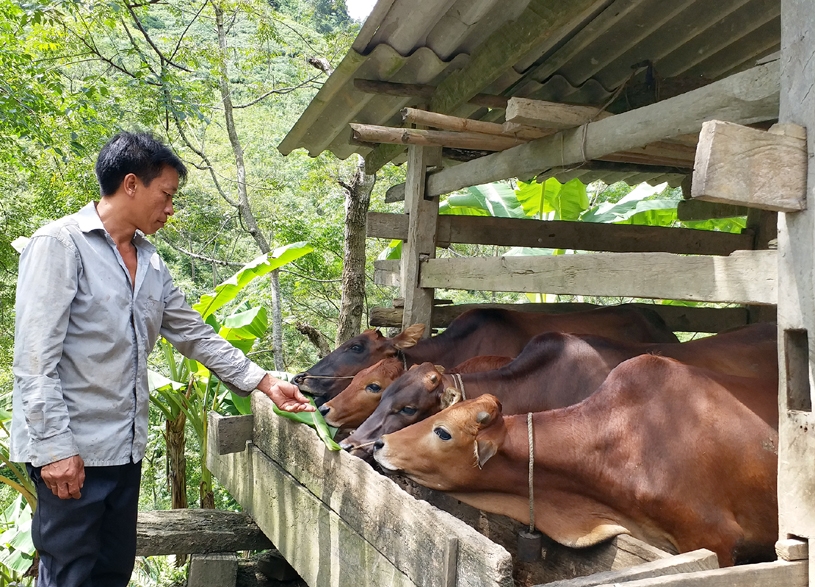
[
  {"x": 586, "y": 236},
  {"x": 314, "y": 539},
  {"x": 746, "y": 97},
  {"x": 698, "y": 560},
  {"x": 408, "y": 532},
  {"x": 197, "y": 531},
  {"x": 550, "y": 115},
  {"x": 231, "y": 433},
  {"x": 745, "y": 277},
  {"x": 759, "y": 575},
  {"x": 744, "y": 166},
  {"x": 559, "y": 562},
  {"x": 678, "y": 318},
  {"x": 370, "y": 133},
  {"x": 700, "y": 210}
]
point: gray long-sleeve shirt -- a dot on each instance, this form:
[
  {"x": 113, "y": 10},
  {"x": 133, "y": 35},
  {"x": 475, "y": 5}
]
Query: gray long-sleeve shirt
[{"x": 82, "y": 337}]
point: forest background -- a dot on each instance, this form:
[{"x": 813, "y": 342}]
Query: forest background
[{"x": 222, "y": 81}]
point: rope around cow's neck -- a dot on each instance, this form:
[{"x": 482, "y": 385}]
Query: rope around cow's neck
[
  {"x": 402, "y": 356},
  {"x": 329, "y": 377},
  {"x": 531, "y": 439},
  {"x": 460, "y": 384}
]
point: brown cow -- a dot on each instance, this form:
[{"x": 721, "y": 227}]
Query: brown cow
[
  {"x": 557, "y": 370},
  {"x": 663, "y": 451},
  {"x": 482, "y": 331},
  {"x": 359, "y": 400}
]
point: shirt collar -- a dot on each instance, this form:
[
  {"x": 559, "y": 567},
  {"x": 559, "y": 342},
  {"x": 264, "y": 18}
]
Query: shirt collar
[{"x": 88, "y": 220}]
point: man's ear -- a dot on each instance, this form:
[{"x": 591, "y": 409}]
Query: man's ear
[{"x": 409, "y": 336}]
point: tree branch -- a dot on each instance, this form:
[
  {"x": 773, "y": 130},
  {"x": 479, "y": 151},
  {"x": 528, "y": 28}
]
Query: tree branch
[
  {"x": 150, "y": 42},
  {"x": 317, "y": 338},
  {"x": 276, "y": 91},
  {"x": 196, "y": 255}
]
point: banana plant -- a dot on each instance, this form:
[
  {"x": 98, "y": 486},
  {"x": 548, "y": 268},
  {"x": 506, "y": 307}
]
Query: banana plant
[{"x": 190, "y": 390}]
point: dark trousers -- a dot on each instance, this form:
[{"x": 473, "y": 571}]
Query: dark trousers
[{"x": 90, "y": 541}]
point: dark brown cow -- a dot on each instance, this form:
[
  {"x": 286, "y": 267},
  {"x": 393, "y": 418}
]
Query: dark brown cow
[
  {"x": 557, "y": 370},
  {"x": 663, "y": 451},
  {"x": 359, "y": 400},
  {"x": 482, "y": 331}
]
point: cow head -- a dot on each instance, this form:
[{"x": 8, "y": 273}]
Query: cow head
[
  {"x": 359, "y": 400},
  {"x": 412, "y": 397},
  {"x": 447, "y": 450},
  {"x": 331, "y": 374}
]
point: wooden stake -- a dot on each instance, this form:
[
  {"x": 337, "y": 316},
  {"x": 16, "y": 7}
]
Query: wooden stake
[{"x": 455, "y": 123}]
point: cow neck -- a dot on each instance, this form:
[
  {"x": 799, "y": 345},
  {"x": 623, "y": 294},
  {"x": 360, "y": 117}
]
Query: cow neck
[
  {"x": 436, "y": 349},
  {"x": 561, "y": 439},
  {"x": 504, "y": 384}
]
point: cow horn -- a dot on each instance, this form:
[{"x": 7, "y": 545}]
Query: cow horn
[{"x": 482, "y": 418}]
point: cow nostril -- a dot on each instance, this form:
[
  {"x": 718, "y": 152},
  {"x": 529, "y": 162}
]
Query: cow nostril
[
  {"x": 379, "y": 444},
  {"x": 299, "y": 378},
  {"x": 347, "y": 446},
  {"x": 324, "y": 409}
]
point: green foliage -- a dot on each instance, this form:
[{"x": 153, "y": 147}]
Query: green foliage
[
  {"x": 553, "y": 200},
  {"x": 16, "y": 546}
]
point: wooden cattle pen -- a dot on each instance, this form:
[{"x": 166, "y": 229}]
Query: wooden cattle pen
[{"x": 718, "y": 97}]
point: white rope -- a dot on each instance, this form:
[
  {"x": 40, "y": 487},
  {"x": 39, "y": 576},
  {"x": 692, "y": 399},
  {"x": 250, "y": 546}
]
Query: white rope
[{"x": 460, "y": 384}]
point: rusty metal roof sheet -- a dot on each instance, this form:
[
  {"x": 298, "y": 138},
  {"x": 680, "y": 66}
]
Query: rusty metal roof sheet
[{"x": 584, "y": 62}]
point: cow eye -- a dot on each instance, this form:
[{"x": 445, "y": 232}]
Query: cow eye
[
  {"x": 355, "y": 348},
  {"x": 408, "y": 410},
  {"x": 442, "y": 433},
  {"x": 374, "y": 388}
]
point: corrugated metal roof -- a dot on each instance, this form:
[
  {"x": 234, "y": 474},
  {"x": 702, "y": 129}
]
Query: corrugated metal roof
[{"x": 583, "y": 62}]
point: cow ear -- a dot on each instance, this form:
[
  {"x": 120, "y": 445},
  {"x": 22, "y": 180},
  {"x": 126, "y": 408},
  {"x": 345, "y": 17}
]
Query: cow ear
[
  {"x": 409, "y": 336},
  {"x": 449, "y": 397},
  {"x": 485, "y": 449},
  {"x": 439, "y": 368}
]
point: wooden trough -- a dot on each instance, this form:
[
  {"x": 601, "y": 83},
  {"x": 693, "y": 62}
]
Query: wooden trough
[{"x": 338, "y": 522}]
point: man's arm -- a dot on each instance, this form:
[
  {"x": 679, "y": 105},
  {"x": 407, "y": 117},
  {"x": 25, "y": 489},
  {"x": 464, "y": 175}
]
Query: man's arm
[
  {"x": 46, "y": 287},
  {"x": 186, "y": 331}
]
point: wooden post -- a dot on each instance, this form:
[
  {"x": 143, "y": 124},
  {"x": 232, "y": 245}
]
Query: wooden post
[
  {"x": 421, "y": 239},
  {"x": 796, "y": 310}
]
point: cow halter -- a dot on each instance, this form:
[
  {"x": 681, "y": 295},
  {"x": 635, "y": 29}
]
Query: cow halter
[
  {"x": 402, "y": 356},
  {"x": 459, "y": 384}
]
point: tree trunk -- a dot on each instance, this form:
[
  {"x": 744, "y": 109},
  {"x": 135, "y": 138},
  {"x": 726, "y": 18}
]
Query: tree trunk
[
  {"x": 176, "y": 461},
  {"x": 357, "y": 201},
  {"x": 177, "y": 467},
  {"x": 277, "y": 323}
]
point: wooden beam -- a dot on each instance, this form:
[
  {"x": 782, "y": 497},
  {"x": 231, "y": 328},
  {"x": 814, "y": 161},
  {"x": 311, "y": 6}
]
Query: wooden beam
[
  {"x": 420, "y": 242},
  {"x": 339, "y": 522},
  {"x": 550, "y": 115},
  {"x": 747, "y": 97},
  {"x": 678, "y": 318},
  {"x": 195, "y": 531},
  {"x": 689, "y": 562},
  {"x": 231, "y": 433},
  {"x": 423, "y": 91},
  {"x": 796, "y": 308},
  {"x": 745, "y": 277},
  {"x": 370, "y": 133},
  {"x": 540, "y": 20},
  {"x": 458, "y": 124},
  {"x": 559, "y": 234},
  {"x": 700, "y": 210},
  {"x": 758, "y": 575},
  {"x": 748, "y": 167}
]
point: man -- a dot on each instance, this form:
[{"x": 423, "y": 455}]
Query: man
[{"x": 93, "y": 297}]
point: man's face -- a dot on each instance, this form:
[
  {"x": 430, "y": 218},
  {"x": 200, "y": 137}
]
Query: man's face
[{"x": 153, "y": 203}]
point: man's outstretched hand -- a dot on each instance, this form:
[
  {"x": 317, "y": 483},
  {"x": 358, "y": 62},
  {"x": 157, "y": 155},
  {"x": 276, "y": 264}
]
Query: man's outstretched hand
[{"x": 285, "y": 395}]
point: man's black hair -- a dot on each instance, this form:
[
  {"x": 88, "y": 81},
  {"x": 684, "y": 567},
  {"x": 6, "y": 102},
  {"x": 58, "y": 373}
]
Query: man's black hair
[{"x": 138, "y": 153}]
